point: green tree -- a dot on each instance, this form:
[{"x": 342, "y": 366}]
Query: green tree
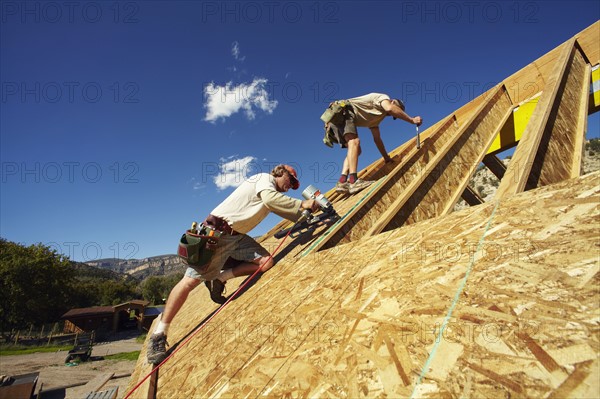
[
  {"x": 156, "y": 288},
  {"x": 594, "y": 145},
  {"x": 114, "y": 292},
  {"x": 152, "y": 289},
  {"x": 98, "y": 287},
  {"x": 35, "y": 285}
]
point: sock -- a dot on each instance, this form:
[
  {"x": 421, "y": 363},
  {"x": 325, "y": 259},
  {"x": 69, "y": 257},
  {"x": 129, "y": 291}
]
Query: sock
[
  {"x": 226, "y": 275},
  {"x": 352, "y": 177},
  {"x": 343, "y": 178},
  {"x": 162, "y": 328}
]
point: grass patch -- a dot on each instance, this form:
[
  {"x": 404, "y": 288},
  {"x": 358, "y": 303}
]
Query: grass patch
[
  {"x": 141, "y": 339},
  {"x": 124, "y": 356},
  {"x": 25, "y": 350}
]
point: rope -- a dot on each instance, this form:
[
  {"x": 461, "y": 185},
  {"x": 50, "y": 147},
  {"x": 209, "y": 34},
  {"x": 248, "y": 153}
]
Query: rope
[
  {"x": 240, "y": 288},
  {"x": 459, "y": 292}
]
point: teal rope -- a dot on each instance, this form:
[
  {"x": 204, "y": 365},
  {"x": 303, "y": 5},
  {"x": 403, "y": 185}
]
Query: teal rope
[{"x": 461, "y": 288}]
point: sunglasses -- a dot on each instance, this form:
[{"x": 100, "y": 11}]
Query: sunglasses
[{"x": 293, "y": 180}]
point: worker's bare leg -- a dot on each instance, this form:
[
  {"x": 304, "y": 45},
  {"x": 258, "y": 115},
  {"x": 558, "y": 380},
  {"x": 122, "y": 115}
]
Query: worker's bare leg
[
  {"x": 248, "y": 268},
  {"x": 353, "y": 152},
  {"x": 177, "y": 297},
  {"x": 157, "y": 351},
  {"x": 217, "y": 286},
  {"x": 345, "y": 167}
]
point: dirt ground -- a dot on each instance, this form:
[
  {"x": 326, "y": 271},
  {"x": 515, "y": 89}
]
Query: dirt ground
[{"x": 54, "y": 374}]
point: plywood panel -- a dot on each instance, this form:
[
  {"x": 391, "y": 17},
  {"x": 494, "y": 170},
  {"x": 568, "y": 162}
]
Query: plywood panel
[{"x": 362, "y": 320}]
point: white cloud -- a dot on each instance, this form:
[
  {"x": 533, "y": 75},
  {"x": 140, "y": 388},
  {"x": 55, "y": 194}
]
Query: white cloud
[
  {"x": 232, "y": 172},
  {"x": 224, "y": 101},
  {"x": 235, "y": 51},
  {"x": 196, "y": 185}
]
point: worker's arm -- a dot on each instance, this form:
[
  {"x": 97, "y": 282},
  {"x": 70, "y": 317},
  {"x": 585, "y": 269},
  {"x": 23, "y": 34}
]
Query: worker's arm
[
  {"x": 395, "y": 111},
  {"x": 379, "y": 143},
  {"x": 287, "y": 207}
]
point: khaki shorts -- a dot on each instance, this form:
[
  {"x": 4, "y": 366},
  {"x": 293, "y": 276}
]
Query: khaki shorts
[
  {"x": 239, "y": 247},
  {"x": 345, "y": 127}
]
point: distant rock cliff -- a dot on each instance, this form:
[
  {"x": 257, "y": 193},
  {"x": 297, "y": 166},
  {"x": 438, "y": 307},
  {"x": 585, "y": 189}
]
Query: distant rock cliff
[{"x": 142, "y": 268}]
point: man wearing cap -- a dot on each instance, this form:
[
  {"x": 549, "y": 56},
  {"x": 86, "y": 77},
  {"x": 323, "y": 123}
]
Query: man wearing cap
[
  {"x": 239, "y": 213},
  {"x": 364, "y": 111}
]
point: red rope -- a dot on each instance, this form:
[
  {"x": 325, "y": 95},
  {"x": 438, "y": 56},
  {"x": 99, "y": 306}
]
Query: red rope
[{"x": 240, "y": 288}]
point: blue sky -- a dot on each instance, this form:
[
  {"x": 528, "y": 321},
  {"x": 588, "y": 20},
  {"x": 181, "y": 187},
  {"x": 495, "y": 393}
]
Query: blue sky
[{"x": 123, "y": 122}]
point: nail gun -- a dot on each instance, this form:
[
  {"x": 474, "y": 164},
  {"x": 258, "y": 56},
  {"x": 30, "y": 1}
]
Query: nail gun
[{"x": 308, "y": 221}]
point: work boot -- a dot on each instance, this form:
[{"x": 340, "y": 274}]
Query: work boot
[
  {"x": 359, "y": 185},
  {"x": 216, "y": 288},
  {"x": 342, "y": 187},
  {"x": 157, "y": 350}
]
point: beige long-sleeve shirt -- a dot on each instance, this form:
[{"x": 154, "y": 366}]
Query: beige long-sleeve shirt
[{"x": 251, "y": 202}]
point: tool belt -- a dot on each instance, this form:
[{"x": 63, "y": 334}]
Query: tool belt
[
  {"x": 198, "y": 245},
  {"x": 335, "y": 113},
  {"x": 333, "y": 116},
  {"x": 220, "y": 224}
]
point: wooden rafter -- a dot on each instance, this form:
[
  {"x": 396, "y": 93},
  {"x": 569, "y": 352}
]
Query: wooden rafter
[
  {"x": 495, "y": 165},
  {"x": 546, "y": 153},
  {"x": 447, "y": 175},
  {"x": 471, "y": 197}
]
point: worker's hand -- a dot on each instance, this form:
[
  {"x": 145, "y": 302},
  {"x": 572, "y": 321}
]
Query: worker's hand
[
  {"x": 311, "y": 205},
  {"x": 417, "y": 120}
]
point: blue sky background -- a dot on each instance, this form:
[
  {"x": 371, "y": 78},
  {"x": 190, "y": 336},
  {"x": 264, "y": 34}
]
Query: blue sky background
[{"x": 122, "y": 122}]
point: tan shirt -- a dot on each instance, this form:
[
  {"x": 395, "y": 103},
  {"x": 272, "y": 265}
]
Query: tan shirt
[
  {"x": 244, "y": 208},
  {"x": 368, "y": 109}
]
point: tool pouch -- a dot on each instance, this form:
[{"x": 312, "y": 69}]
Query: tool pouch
[
  {"x": 196, "y": 248},
  {"x": 334, "y": 114}
]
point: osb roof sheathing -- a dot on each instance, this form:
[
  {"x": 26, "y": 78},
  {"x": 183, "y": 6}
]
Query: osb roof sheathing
[{"x": 514, "y": 284}]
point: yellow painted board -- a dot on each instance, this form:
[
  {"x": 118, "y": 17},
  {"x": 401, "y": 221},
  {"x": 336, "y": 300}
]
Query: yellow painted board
[
  {"x": 522, "y": 116},
  {"x": 596, "y": 85},
  {"x": 513, "y": 129}
]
